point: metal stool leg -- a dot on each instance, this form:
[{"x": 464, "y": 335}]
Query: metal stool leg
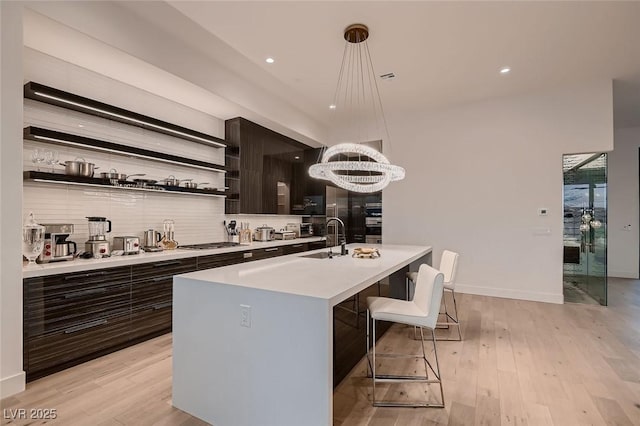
[
  {"x": 454, "y": 321},
  {"x": 377, "y": 378}
]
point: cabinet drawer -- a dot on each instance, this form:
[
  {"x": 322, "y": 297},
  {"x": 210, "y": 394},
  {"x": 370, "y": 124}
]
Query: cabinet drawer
[
  {"x": 314, "y": 245},
  {"x": 264, "y": 253},
  {"x": 56, "y": 286},
  {"x": 217, "y": 260},
  {"x": 163, "y": 268},
  {"x": 74, "y": 344},
  {"x": 153, "y": 291},
  {"x": 52, "y": 314},
  {"x": 295, "y": 248},
  {"x": 151, "y": 320}
]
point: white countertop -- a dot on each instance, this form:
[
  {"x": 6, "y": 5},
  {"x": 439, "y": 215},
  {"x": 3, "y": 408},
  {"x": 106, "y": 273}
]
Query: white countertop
[
  {"x": 331, "y": 279},
  {"x": 267, "y": 327},
  {"x": 78, "y": 265}
]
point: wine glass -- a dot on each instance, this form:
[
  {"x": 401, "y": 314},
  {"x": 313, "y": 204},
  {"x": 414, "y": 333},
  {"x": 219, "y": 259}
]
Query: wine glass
[
  {"x": 32, "y": 240},
  {"x": 51, "y": 158},
  {"x": 37, "y": 157}
]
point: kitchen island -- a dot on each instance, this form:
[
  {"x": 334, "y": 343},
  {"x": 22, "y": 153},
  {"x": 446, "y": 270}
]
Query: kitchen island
[{"x": 253, "y": 343}]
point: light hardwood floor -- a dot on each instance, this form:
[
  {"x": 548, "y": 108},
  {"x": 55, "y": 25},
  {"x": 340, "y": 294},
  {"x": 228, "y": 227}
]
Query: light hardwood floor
[{"x": 520, "y": 363}]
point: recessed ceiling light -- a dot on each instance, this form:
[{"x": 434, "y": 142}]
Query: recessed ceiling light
[
  {"x": 297, "y": 157},
  {"x": 505, "y": 70},
  {"x": 80, "y": 125},
  {"x": 269, "y": 60},
  {"x": 332, "y": 106}
]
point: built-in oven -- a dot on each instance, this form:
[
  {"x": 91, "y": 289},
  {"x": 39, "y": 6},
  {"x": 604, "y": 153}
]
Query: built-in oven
[
  {"x": 373, "y": 209},
  {"x": 373, "y": 222},
  {"x": 373, "y": 225}
]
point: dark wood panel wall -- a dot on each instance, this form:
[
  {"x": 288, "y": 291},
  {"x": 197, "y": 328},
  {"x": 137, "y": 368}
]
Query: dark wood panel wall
[{"x": 266, "y": 158}]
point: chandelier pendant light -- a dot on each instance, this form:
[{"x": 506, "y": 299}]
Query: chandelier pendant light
[{"x": 355, "y": 166}]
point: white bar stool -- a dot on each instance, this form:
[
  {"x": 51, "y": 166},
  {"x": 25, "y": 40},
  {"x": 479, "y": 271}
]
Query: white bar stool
[
  {"x": 420, "y": 312},
  {"x": 449, "y": 267}
]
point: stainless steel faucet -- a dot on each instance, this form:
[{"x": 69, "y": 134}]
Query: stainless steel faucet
[{"x": 343, "y": 242}]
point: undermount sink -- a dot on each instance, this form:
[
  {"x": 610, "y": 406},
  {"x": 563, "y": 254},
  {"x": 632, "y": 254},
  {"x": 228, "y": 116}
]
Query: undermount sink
[{"x": 320, "y": 255}]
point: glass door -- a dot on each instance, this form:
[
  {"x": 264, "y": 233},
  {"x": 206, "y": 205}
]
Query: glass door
[{"x": 585, "y": 231}]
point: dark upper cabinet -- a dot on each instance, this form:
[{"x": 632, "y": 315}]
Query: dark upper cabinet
[{"x": 271, "y": 175}]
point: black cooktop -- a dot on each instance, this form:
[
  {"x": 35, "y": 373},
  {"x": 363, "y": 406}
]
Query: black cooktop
[{"x": 205, "y": 246}]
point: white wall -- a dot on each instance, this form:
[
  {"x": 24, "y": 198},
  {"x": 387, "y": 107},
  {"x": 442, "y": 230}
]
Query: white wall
[
  {"x": 12, "y": 379},
  {"x": 476, "y": 176},
  {"x": 623, "y": 240}
]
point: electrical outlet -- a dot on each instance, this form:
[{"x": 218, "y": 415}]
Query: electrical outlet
[{"x": 245, "y": 316}]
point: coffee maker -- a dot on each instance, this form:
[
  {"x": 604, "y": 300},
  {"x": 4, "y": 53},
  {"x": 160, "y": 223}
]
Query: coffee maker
[
  {"x": 56, "y": 246},
  {"x": 98, "y": 244}
]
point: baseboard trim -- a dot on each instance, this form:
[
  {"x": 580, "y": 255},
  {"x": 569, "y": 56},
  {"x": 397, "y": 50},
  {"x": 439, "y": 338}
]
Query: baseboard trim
[
  {"x": 511, "y": 294},
  {"x": 12, "y": 385},
  {"x": 622, "y": 274}
]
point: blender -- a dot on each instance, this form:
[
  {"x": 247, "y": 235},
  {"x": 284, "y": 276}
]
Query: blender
[{"x": 98, "y": 244}]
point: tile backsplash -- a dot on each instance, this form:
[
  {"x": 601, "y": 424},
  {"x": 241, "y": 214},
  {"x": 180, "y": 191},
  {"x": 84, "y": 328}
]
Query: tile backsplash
[{"x": 198, "y": 219}]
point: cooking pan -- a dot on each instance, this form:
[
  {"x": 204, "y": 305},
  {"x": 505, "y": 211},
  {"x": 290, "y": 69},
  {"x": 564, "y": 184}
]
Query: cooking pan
[
  {"x": 116, "y": 178},
  {"x": 79, "y": 167},
  {"x": 141, "y": 183},
  {"x": 114, "y": 175},
  {"x": 193, "y": 185}
]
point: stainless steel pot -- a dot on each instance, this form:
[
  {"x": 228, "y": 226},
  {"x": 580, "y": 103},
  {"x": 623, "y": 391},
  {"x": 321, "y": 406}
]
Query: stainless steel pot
[
  {"x": 79, "y": 167},
  {"x": 264, "y": 233},
  {"x": 172, "y": 181}
]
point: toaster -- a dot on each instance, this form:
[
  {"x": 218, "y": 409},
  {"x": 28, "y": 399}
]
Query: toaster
[{"x": 129, "y": 245}]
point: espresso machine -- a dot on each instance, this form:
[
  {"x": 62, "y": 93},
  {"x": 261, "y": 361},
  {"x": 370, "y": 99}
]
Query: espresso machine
[
  {"x": 56, "y": 246},
  {"x": 98, "y": 244}
]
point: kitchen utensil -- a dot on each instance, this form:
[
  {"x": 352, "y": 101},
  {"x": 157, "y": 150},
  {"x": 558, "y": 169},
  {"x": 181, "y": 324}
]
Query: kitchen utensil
[
  {"x": 150, "y": 239},
  {"x": 284, "y": 235},
  {"x": 97, "y": 243},
  {"x": 264, "y": 233},
  {"x": 168, "y": 242},
  {"x": 172, "y": 181},
  {"x": 194, "y": 185},
  {"x": 141, "y": 183},
  {"x": 79, "y": 167},
  {"x": 114, "y": 175},
  {"x": 64, "y": 249},
  {"x": 129, "y": 245},
  {"x": 56, "y": 246},
  {"x": 32, "y": 239}
]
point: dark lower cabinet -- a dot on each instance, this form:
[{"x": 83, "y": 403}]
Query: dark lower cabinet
[
  {"x": 47, "y": 354},
  {"x": 266, "y": 253},
  {"x": 218, "y": 260},
  {"x": 350, "y": 332},
  {"x": 67, "y": 318},
  {"x": 295, "y": 248},
  {"x": 152, "y": 296},
  {"x": 72, "y": 318},
  {"x": 314, "y": 245}
]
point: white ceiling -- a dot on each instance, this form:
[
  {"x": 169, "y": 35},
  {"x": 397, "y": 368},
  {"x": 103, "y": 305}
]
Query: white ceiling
[{"x": 443, "y": 53}]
